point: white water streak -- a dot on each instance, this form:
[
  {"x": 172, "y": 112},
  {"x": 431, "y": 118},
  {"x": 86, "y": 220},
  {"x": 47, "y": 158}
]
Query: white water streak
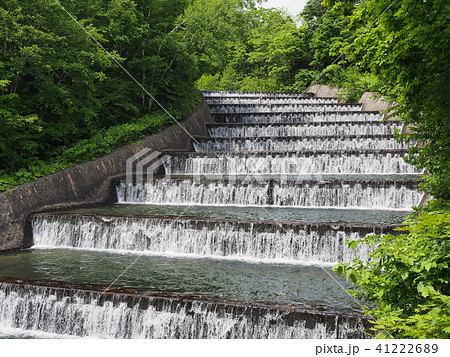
[
  {"x": 295, "y": 163},
  {"x": 287, "y": 130},
  {"x": 297, "y": 144},
  {"x": 42, "y": 309},
  {"x": 251, "y": 242}
]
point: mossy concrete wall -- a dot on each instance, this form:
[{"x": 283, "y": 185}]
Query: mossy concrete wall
[
  {"x": 369, "y": 100},
  {"x": 86, "y": 184}
]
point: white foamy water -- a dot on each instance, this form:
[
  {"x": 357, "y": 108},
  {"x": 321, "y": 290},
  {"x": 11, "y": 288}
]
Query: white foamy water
[
  {"x": 369, "y": 195},
  {"x": 85, "y": 314},
  {"x": 297, "y": 144},
  {"x": 252, "y": 242},
  {"x": 295, "y": 163},
  {"x": 297, "y": 117},
  {"x": 327, "y": 129},
  {"x": 283, "y": 108}
]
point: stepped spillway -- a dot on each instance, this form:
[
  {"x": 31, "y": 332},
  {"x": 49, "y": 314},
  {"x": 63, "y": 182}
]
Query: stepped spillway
[
  {"x": 283, "y": 108},
  {"x": 339, "y": 193},
  {"x": 286, "y": 214},
  {"x": 236, "y": 95},
  {"x": 305, "y": 162},
  {"x": 302, "y": 129},
  {"x": 237, "y": 238},
  {"x": 295, "y": 144},
  {"x": 91, "y": 311},
  {"x": 270, "y": 282},
  {"x": 269, "y": 118},
  {"x": 240, "y": 240}
]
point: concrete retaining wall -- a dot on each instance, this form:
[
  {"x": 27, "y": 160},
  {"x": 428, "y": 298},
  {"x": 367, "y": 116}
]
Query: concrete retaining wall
[
  {"x": 86, "y": 184},
  {"x": 324, "y": 91},
  {"x": 370, "y": 101}
]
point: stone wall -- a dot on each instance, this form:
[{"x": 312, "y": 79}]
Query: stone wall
[{"x": 86, "y": 184}]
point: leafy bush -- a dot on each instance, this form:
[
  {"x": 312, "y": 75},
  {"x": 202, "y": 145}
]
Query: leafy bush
[
  {"x": 89, "y": 149},
  {"x": 354, "y": 83},
  {"x": 408, "y": 277},
  {"x": 303, "y": 79},
  {"x": 209, "y": 82},
  {"x": 58, "y": 89}
]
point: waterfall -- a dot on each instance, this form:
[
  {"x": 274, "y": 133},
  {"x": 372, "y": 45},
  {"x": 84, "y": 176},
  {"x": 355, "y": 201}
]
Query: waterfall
[
  {"x": 89, "y": 313},
  {"x": 237, "y": 240},
  {"x": 378, "y": 194},
  {"x": 299, "y": 130},
  {"x": 189, "y": 192},
  {"x": 269, "y": 101},
  {"x": 349, "y": 162},
  {"x": 298, "y": 144},
  {"x": 272, "y": 184},
  {"x": 297, "y": 117},
  {"x": 208, "y": 94},
  {"x": 283, "y": 108}
]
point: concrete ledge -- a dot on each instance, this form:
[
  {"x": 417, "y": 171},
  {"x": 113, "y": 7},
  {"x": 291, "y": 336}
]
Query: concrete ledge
[
  {"x": 370, "y": 101},
  {"x": 321, "y": 90},
  {"x": 86, "y": 184}
]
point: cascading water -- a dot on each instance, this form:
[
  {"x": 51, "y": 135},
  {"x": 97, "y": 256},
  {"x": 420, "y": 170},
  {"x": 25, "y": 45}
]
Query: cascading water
[
  {"x": 267, "y": 101},
  {"x": 252, "y": 241},
  {"x": 297, "y": 117},
  {"x": 298, "y": 130},
  {"x": 340, "y": 193},
  {"x": 265, "y": 137},
  {"x": 282, "y": 108},
  {"x": 338, "y": 162},
  {"x": 238, "y": 95},
  {"x": 98, "y": 314},
  {"x": 297, "y": 144}
]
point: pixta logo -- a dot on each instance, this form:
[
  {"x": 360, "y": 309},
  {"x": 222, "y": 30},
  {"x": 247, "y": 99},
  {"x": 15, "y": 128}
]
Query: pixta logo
[{"x": 142, "y": 166}]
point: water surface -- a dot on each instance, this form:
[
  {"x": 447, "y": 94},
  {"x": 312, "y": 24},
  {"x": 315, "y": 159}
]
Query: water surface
[
  {"x": 279, "y": 214},
  {"x": 310, "y": 285}
]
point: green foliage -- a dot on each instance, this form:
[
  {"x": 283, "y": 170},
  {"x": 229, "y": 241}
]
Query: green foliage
[
  {"x": 303, "y": 78},
  {"x": 329, "y": 38},
  {"x": 98, "y": 145},
  {"x": 59, "y": 90},
  {"x": 355, "y": 83},
  {"x": 407, "y": 49},
  {"x": 208, "y": 81},
  {"x": 240, "y": 47},
  {"x": 408, "y": 277}
]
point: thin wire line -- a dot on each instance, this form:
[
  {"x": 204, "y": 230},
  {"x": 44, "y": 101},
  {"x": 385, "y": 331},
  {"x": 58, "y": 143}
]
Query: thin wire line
[
  {"x": 363, "y": 33},
  {"x": 337, "y": 59},
  {"x": 130, "y": 265},
  {"x": 125, "y": 70},
  {"x": 332, "y": 277}
]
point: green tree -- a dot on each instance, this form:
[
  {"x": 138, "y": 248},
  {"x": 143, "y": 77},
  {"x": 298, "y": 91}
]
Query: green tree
[
  {"x": 407, "y": 48},
  {"x": 408, "y": 277},
  {"x": 59, "y": 88}
]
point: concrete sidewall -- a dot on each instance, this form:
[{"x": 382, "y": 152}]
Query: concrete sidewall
[{"x": 87, "y": 184}]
